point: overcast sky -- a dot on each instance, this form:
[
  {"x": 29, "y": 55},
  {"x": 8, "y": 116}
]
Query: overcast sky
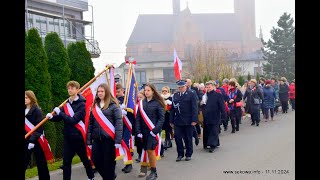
[{"x": 114, "y": 20}]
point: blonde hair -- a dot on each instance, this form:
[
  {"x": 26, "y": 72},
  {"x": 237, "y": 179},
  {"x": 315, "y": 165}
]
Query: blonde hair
[
  {"x": 166, "y": 87},
  {"x": 73, "y": 84},
  {"x": 33, "y": 99},
  {"x": 253, "y": 80}
]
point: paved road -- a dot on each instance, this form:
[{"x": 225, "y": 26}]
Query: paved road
[{"x": 256, "y": 150}]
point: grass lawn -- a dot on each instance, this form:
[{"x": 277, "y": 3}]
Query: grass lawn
[{"x": 54, "y": 166}]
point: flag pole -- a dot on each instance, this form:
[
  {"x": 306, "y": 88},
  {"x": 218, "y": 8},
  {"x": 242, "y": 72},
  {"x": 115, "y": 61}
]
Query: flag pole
[
  {"x": 125, "y": 101},
  {"x": 80, "y": 90}
]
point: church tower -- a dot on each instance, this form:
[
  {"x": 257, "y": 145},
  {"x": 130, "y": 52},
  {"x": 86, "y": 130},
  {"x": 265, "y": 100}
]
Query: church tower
[
  {"x": 176, "y": 6},
  {"x": 245, "y": 14}
]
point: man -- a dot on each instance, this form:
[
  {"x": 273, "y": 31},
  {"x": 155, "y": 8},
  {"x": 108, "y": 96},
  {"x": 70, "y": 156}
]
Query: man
[
  {"x": 197, "y": 129},
  {"x": 183, "y": 117},
  {"x": 72, "y": 114},
  {"x": 126, "y": 132},
  {"x": 214, "y": 110}
]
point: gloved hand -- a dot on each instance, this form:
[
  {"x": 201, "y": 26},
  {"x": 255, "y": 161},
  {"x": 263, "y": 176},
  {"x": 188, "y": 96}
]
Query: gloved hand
[
  {"x": 124, "y": 112},
  {"x": 30, "y": 146},
  {"x": 168, "y": 102},
  {"x": 90, "y": 146},
  {"x": 152, "y": 134},
  {"x": 139, "y": 135},
  {"x": 57, "y": 110},
  {"x": 117, "y": 145},
  {"x": 49, "y": 115},
  {"x": 123, "y": 106}
]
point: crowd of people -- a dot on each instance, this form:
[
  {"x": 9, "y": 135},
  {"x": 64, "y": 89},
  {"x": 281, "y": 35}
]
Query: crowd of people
[{"x": 180, "y": 115}]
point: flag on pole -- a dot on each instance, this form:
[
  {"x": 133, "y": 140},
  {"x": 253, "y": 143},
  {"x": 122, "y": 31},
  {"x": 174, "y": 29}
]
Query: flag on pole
[
  {"x": 112, "y": 81},
  {"x": 177, "y": 65}
]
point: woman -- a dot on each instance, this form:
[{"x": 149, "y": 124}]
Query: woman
[
  {"x": 234, "y": 104},
  {"x": 284, "y": 94},
  {"x": 254, "y": 101},
  {"x": 35, "y": 144},
  {"x": 292, "y": 94},
  {"x": 269, "y": 97},
  {"x": 137, "y": 140},
  {"x": 150, "y": 118},
  {"x": 105, "y": 131},
  {"x": 166, "y": 95}
]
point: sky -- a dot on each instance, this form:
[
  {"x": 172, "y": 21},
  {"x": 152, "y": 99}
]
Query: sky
[{"x": 114, "y": 20}]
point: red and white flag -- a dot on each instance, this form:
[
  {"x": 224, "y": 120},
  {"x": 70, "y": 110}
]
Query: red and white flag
[{"x": 177, "y": 65}]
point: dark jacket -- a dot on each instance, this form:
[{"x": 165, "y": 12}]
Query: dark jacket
[
  {"x": 113, "y": 114},
  {"x": 214, "y": 108},
  {"x": 188, "y": 106},
  {"x": 269, "y": 97},
  {"x": 284, "y": 92},
  {"x": 237, "y": 98},
  {"x": 130, "y": 115},
  {"x": 166, "y": 124},
  {"x": 155, "y": 112},
  {"x": 255, "y": 93},
  {"x": 69, "y": 130},
  {"x": 35, "y": 117}
]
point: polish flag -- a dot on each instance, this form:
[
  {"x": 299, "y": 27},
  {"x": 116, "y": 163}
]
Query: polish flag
[{"x": 177, "y": 65}]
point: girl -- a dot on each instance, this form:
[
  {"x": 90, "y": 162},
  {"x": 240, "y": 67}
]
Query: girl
[
  {"x": 105, "y": 131},
  {"x": 37, "y": 142},
  {"x": 149, "y": 121},
  {"x": 137, "y": 140},
  {"x": 166, "y": 95}
]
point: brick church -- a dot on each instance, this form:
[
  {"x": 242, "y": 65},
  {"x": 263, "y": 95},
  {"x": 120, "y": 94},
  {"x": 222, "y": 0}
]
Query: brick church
[{"x": 155, "y": 36}]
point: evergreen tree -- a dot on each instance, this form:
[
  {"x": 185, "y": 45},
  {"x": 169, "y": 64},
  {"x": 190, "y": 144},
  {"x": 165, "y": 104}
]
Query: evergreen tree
[
  {"x": 38, "y": 79},
  {"x": 279, "y": 51},
  {"x": 241, "y": 80},
  {"x": 60, "y": 75},
  {"x": 257, "y": 77},
  {"x": 249, "y": 76},
  {"x": 81, "y": 65}
]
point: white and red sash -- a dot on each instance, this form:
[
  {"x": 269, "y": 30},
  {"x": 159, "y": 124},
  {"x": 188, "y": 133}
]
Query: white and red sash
[
  {"x": 107, "y": 126},
  {"x": 80, "y": 126},
  {"x": 42, "y": 141},
  {"x": 150, "y": 126},
  {"x": 128, "y": 124}
]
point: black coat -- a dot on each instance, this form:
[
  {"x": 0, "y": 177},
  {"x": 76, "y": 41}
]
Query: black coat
[
  {"x": 284, "y": 92},
  {"x": 113, "y": 114},
  {"x": 69, "y": 129},
  {"x": 35, "y": 116},
  {"x": 255, "y": 93},
  {"x": 166, "y": 124},
  {"x": 214, "y": 108},
  {"x": 188, "y": 106},
  {"x": 130, "y": 115},
  {"x": 155, "y": 112},
  {"x": 232, "y": 106}
]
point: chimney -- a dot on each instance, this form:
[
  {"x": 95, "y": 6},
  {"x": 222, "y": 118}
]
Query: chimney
[{"x": 176, "y": 6}]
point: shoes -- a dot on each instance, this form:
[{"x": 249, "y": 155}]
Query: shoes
[
  {"x": 127, "y": 168},
  {"x": 233, "y": 131},
  {"x": 152, "y": 176},
  {"x": 257, "y": 124},
  {"x": 179, "y": 158},
  {"x": 91, "y": 178},
  {"x": 252, "y": 124},
  {"x": 237, "y": 128},
  {"x": 211, "y": 150},
  {"x": 143, "y": 171},
  {"x": 225, "y": 129},
  {"x": 188, "y": 158}
]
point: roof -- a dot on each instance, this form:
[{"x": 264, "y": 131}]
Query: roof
[{"x": 160, "y": 27}]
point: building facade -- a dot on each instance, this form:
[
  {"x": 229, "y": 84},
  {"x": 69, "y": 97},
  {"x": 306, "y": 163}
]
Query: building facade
[
  {"x": 65, "y": 17},
  {"x": 155, "y": 36}
]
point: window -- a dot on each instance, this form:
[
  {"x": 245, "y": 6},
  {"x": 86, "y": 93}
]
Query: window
[
  {"x": 257, "y": 70},
  {"x": 141, "y": 77},
  {"x": 168, "y": 75}
]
